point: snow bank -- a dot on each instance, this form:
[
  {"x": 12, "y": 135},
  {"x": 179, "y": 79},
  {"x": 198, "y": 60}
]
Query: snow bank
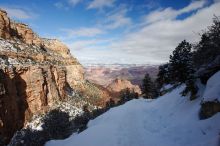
[
  {"x": 212, "y": 91},
  {"x": 166, "y": 87},
  {"x": 171, "y": 120}
]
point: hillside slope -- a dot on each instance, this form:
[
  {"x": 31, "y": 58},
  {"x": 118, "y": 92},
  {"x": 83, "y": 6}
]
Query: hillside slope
[{"x": 170, "y": 120}]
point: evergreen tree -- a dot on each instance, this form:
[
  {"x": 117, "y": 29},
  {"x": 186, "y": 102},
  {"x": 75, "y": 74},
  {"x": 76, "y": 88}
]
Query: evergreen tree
[
  {"x": 181, "y": 66},
  {"x": 209, "y": 46},
  {"x": 149, "y": 87},
  {"x": 110, "y": 104},
  {"x": 127, "y": 94},
  {"x": 163, "y": 75}
]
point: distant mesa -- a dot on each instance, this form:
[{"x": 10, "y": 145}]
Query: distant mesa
[{"x": 120, "y": 84}]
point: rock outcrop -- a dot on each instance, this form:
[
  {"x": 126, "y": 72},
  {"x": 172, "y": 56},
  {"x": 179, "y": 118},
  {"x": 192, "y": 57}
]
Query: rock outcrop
[
  {"x": 119, "y": 84},
  {"x": 5, "y": 29},
  {"x": 57, "y": 47},
  {"x": 26, "y": 34},
  {"x": 208, "y": 109},
  {"x": 206, "y": 71},
  {"x": 28, "y": 90},
  {"x": 210, "y": 104},
  {"x": 35, "y": 73}
]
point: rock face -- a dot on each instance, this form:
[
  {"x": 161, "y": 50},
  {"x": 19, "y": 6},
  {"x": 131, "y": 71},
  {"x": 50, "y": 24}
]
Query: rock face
[
  {"x": 75, "y": 75},
  {"x": 207, "y": 71},
  {"x": 35, "y": 73},
  {"x": 5, "y": 28},
  {"x": 210, "y": 104},
  {"x": 26, "y": 91},
  {"x": 119, "y": 84},
  {"x": 26, "y": 34},
  {"x": 208, "y": 109},
  {"x": 56, "y": 46}
]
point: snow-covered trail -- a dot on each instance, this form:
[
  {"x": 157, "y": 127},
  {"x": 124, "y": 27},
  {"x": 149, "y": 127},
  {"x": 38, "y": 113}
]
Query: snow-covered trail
[{"x": 171, "y": 120}]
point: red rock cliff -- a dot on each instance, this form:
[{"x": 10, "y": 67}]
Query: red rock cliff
[{"x": 35, "y": 73}]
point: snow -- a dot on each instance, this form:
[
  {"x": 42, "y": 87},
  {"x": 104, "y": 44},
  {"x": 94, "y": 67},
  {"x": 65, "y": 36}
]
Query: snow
[
  {"x": 2, "y": 61},
  {"x": 13, "y": 61},
  {"x": 212, "y": 91},
  {"x": 35, "y": 123},
  {"x": 6, "y": 46},
  {"x": 73, "y": 111},
  {"x": 166, "y": 87},
  {"x": 171, "y": 120}
]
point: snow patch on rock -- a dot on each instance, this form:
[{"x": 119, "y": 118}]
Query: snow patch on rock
[
  {"x": 212, "y": 91},
  {"x": 6, "y": 46},
  {"x": 73, "y": 111}
]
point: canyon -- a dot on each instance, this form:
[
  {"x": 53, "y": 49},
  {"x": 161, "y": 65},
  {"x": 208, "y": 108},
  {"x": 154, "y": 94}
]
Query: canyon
[
  {"x": 35, "y": 74},
  {"x": 109, "y": 73},
  {"x": 105, "y": 74}
]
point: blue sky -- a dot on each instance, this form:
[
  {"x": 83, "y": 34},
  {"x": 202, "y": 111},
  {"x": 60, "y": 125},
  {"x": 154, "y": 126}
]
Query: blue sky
[{"x": 116, "y": 31}]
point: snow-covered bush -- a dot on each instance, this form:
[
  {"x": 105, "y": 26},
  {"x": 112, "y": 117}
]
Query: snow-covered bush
[
  {"x": 57, "y": 124},
  {"x": 29, "y": 137}
]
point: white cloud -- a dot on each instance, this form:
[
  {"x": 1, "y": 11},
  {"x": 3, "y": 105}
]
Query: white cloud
[
  {"x": 100, "y": 4},
  {"x": 66, "y": 5},
  {"x": 156, "y": 41},
  {"x": 83, "y": 32},
  {"x": 151, "y": 4},
  {"x": 60, "y": 5},
  {"x": 170, "y": 13},
  {"x": 74, "y": 2},
  {"x": 117, "y": 19},
  {"x": 18, "y": 13},
  {"x": 150, "y": 43},
  {"x": 88, "y": 44},
  {"x": 193, "y": 6},
  {"x": 82, "y": 44}
]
